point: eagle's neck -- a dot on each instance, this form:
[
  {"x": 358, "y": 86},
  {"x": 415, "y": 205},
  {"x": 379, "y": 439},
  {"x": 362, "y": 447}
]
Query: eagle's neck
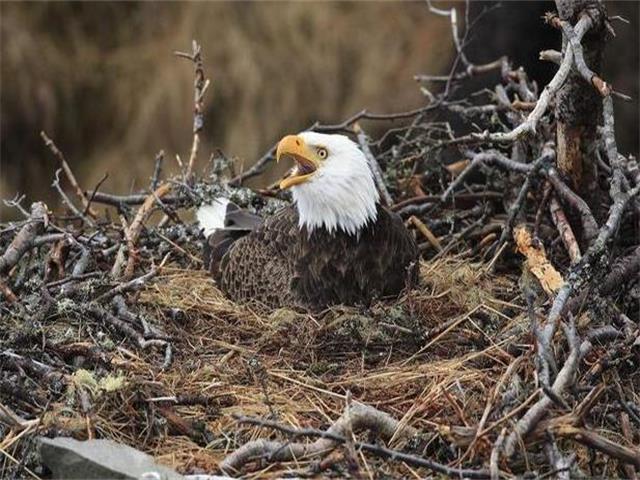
[{"x": 346, "y": 203}]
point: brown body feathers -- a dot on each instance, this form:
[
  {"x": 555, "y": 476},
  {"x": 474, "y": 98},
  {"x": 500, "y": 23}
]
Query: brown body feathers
[{"x": 279, "y": 264}]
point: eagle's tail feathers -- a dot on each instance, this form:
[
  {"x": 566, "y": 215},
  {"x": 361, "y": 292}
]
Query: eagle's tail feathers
[
  {"x": 223, "y": 222},
  {"x": 212, "y": 217}
]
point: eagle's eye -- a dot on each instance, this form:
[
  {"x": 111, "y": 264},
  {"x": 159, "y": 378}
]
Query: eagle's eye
[{"x": 322, "y": 152}]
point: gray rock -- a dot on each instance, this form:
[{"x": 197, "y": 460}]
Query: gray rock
[{"x": 100, "y": 459}]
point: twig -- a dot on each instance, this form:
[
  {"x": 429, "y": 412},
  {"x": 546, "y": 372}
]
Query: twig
[
  {"x": 95, "y": 190},
  {"x": 200, "y": 85},
  {"x": 11, "y": 419},
  {"x": 135, "y": 199},
  {"x": 580, "y": 273},
  {"x": 589, "y": 225},
  {"x": 553, "y": 56},
  {"x": 134, "y": 284},
  {"x": 16, "y": 203},
  {"x": 491, "y": 157},
  {"x": 548, "y": 154},
  {"x": 600, "y": 85},
  {"x": 561, "y": 463},
  {"x": 471, "y": 70},
  {"x": 68, "y": 202},
  {"x": 157, "y": 170},
  {"x": 256, "y": 169},
  {"x": 591, "y": 439},
  {"x": 622, "y": 271},
  {"x": 549, "y": 92},
  {"x": 23, "y": 240},
  {"x": 123, "y": 327},
  {"x": 424, "y": 230},
  {"x": 133, "y": 231},
  {"x": 68, "y": 172},
  {"x": 123, "y": 312},
  {"x": 565, "y": 378},
  {"x": 562, "y": 224},
  {"x": 7, "y": 292},
  {"x": 453, "y": 16},
  {"x": 495, "y": 455},
  {"x": 489, "y": 404},
  {"x": 351, "y": 455},
  {"x": 629, "y": 469},
  {"x": 363, "y": 417}
]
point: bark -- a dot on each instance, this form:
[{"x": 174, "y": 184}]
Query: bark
[{"x": 579, "y": 104}]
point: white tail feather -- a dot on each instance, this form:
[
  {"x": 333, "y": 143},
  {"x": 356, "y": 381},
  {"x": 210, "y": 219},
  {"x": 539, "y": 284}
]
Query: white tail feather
[{"x": 212, "y": 217}]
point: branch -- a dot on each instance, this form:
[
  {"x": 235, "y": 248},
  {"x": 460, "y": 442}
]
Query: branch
[
  {"x": 600, "y": 85},
  {"x": 424, "y": 230},
  {"x": 123, "y": 327},
  {"x": 548, "y": 154},
  {"x": 589, "y": 224},
  {"x": 591, "y": 439},
  {"x": 134, "y": 199},
  {"x": 549, "y": 92},
  {"x": 553, "y": 56},
  {"x": 23, "y": 240},
  {"x": 472, "y": 70},
  {"x": 582, "y": 272},
  {"x": 134, "y": 284},
  {"x": 488, "y": 157},
  {"x": 132, "y": 233},
  {"x": 67, "y": 201},
  {"x": 453, "y": 16},
  {"x": 405, "y": 207},
  {"x": 200, "y": 85},
  {"x": 362, "y": 417},
  {"x": 622, "y": 272},
  {"x": 565, "y": 379},
  {"x": 577, "y": 277},
  {"x": 68, "y": 172},
  {"x": 566, "y": 234}
]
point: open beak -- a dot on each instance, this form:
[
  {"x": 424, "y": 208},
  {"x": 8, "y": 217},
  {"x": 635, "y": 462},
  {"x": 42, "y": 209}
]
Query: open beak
[{"x": 307, "y": 161}]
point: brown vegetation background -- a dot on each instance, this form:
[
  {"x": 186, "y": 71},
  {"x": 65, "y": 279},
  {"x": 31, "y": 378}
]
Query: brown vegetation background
[{"x": 100, "y": 77}]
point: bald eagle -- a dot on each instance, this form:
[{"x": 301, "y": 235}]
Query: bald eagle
[{"x": 334, "y": 245}]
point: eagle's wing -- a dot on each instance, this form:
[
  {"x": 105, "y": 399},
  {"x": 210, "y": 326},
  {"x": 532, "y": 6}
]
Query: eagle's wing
[
  {"x": 398, "y": 267},
  {"x": 260, "y": 266}
]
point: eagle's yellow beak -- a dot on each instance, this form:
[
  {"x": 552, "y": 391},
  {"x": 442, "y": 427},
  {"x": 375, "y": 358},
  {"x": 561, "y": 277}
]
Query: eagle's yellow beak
[{"x": 307, "y": 161}]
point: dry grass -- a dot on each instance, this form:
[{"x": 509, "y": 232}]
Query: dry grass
[{"x": 431, "y": 359}]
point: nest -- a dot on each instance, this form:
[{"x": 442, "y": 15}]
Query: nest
[{"x": 425, "y": 358}]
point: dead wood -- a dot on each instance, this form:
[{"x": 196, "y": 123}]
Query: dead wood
[
  {"x": 357, "y": 417},
  {"x": 27, "y": 234},
  {"x": 360, "y": 417}
]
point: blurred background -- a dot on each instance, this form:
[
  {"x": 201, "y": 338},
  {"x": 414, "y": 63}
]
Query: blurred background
[{"x": 101, "y": 78}]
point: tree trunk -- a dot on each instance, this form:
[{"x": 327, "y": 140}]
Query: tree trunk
[{"x": 579, "y": 105}]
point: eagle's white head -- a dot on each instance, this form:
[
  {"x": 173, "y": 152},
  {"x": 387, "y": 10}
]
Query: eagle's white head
[{"x": 331, "y": 182}]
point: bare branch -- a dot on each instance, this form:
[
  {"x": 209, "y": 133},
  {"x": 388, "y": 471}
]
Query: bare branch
[
  {"x": 23, "y": 240},
  {"x": 68, "y": 172},
  {"x": 362, "y": 417}
]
